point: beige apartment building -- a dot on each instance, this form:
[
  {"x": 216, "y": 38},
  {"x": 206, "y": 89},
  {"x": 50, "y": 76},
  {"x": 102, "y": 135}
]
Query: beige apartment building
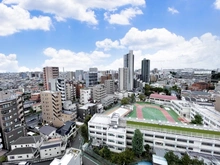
[
  {"x": 49, "y": 73},
  {"x": 52, "y": 112}
]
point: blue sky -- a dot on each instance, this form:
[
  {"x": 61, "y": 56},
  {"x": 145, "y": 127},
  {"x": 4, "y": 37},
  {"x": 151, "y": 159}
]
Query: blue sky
[{"x": 78, "y": 34}]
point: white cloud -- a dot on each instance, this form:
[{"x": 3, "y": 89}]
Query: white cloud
[
  {"x": 217, "y": 4},
  {"x": 108, "y": 44},
  {"x": 172, "y": 10},
  {"x": 71, "y": 60},
  {"x": 150, "y": 39},
  {"x": 14, "y": 19},
  {"x": 9, "y": 63},
  {"x": 168, "y": 50},
  {"x": 124, "y": 17},
  {"x": 81, "y": 10}
]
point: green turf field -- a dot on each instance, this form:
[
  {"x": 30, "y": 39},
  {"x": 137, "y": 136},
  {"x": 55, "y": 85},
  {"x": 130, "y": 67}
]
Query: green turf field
[
  {"x": 174, "y": 115},
  {"x": 153, "y": 113},
  {"x": 150, "y": 113},
  {"x": 133, "y": 113}
]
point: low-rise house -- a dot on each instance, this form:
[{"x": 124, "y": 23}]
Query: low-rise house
[
  {"x": 27, "y": 141},
  {"x": 48, "y": 132},
  {"x": 22, "y": 154},
  {"x": 67, "y": 130},
  {"x": 52, "y": 148}
]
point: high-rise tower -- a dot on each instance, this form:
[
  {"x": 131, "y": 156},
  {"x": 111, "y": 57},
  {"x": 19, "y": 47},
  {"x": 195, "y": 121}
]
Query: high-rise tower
[
  {"x": 49, "y": 74},
  {"x": 145, "y": 70},
  {"x": 129, "y": 63}
]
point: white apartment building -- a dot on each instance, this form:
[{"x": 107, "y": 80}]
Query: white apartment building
[
  {"x": 99, "y": 92},
  {"x": 123, "y": 79},
  {"x": 72, "y": 156},
  {"x": 85, "y": 95},
  {"x": 172, "y": 136}
]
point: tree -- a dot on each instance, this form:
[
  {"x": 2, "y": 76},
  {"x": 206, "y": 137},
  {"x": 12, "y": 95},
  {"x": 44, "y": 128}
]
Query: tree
[
  {"x": 171, "y": 158},
  {"x": 125, "y": 101},
  {"x": 87, "y": 118},
  {"x": 84, "y": 132},
  {"x": 132, "y": 100},
  {"x": 142, "y": 97},
  {"x": 137, "y": 142},
  {"x": 185, "y": 159},
  {"x": 105, "y": 152},
  {"x": 197, "y": 120}
]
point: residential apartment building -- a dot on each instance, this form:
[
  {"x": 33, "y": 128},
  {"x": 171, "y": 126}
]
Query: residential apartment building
[
  {"x": 79, "y": 75},
  {"x": 85, "y": 96},
  {"x": 51, "y": 108},
  {"x": 87, "y": 109},
  {"x": 99, "y": 92},
  {"x": 123, "y": 79},
  {"x": 11, "y": 118},
  {"x": 91, "y": 78},
  {"x": 110, "y": 86},
  {"x": 49, "y": 73},
  {"x": 129, "y": 63},
  {"x": 145, "y": 70},
  {"x": 117, "y": 135}
]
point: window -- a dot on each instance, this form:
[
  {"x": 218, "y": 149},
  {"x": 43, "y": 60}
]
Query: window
[
  {"x": 12, "y": 157},
  {"x": 169, "y": 138},
  {"x": 149, "y": 135},
  {"x": 206, "y": 151},
  {"x": 217, "y": 145},
  {"x": 182, "y": 147},
  {"x": 190, "y": 141},
  {"x": 161, "y": 137},
  {"x": 19, "y": 156},
  {"x": 148, "y": 141},
  {"x": 169, "y": 145},
  {"x": 207, "y": 144},
  {"x": 217, "y": 153},
  {"x": 181, "y": 140}
]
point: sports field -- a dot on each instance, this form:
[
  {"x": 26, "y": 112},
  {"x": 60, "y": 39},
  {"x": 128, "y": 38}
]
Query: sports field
[{"x": 153, "y": 112}]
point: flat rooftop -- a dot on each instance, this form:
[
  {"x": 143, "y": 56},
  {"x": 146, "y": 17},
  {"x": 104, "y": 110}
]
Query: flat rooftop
[
  {"x": 208, "y": 111},
  {"x": 176, "y": 128},
  {"x": 121, "y": 111},
  {"x": 100, "y": 119}
]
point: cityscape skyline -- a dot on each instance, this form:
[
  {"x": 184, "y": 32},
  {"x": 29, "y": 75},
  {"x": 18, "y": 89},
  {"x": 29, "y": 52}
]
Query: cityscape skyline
[{"x": 98, "y": 34}]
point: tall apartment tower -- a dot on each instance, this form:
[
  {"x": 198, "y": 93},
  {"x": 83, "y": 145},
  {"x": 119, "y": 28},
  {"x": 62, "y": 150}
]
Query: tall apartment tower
[
  {"x": 91, "y": 79},
  {"x": 123, "y": 79},
  {"x": 145, "y": 70},
  {"x": 129, "y": 63},
  {"x": 110, "y": 86},
  {"x": 11, "y": 118},
  {"x": 52, "y": 108},
  {"x": 49, "y": 73}
]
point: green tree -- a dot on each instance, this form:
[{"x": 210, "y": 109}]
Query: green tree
[
  {"x": 197, "y": 120},
  {"x": 132, "y": 100},
  {"x": 87, "y": 118},
  {"x": 84, "y": 132},
  {"x": 105, "y": 152},
  {"x": 137, "y": 142},
  {"x": 125, "y": 101},
  {"x": 185, "y": 159},
  {"x": 171, "y": 158},
  {"x": 128, "y": 156},
  {"x": 142, "y": 97}
]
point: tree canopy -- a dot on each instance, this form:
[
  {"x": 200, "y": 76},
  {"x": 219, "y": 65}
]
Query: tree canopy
[
  {"x": 137, "y": 142},
  {"x": 197, "y": 120}
]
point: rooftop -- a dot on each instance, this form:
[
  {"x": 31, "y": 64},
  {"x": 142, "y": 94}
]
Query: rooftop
[
  {"x": 177, "y": 128},
  {"x": 165, "y": 97},
  {"x": 46, "y": 130},
  {"x": 27, "y": 140},
  {"x": 26, "y": 150}
]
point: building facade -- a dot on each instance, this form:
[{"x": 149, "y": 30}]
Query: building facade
[
  {"x": 91, "y": 79},
  {"x": 11, "y": 118},
  {"x": 129, "y": 63},
  {"x": 145, "y": 70},
  {"x": 99, "y": 92},
  {"x": 110, "y": 86},
  {"x": 85, "y": 96},
  {"x": 123, "y": 79},
  {"x": 52, "y": 108},
  {"x": 49, "y": 73}
]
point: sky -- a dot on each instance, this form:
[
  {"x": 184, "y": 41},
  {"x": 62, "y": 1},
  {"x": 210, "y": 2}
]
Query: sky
[{"x": 79, "y": 34}]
